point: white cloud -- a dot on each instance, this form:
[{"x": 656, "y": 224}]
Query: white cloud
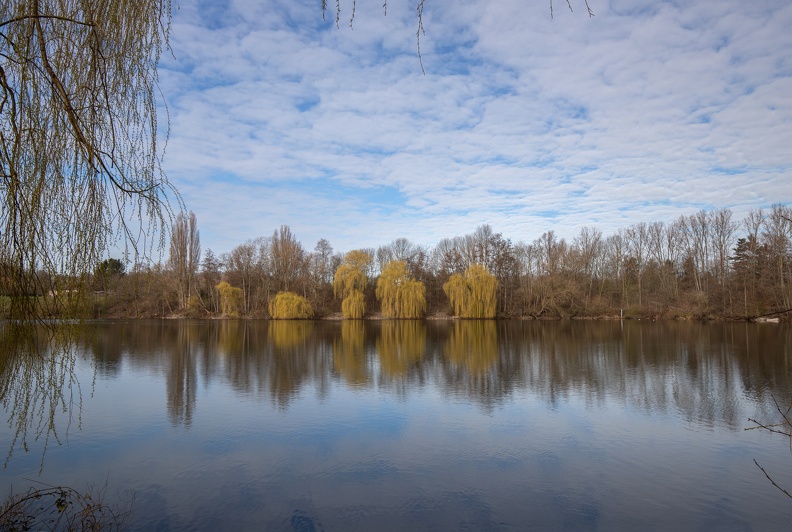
[{"x": 642, "y": 113}]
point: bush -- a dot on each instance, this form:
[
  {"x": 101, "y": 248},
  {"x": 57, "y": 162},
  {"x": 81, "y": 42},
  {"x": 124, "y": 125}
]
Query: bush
[{"x": 290, "y": 306}]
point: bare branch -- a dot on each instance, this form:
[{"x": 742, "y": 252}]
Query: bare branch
[
  {"x": 38, "y": 17},
  {"x": 419, "y": 33},
  {"x": 772, "y": 481}
]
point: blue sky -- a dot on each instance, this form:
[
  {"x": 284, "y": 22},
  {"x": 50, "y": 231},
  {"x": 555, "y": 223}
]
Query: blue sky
[{"x": 646, "y": 111}]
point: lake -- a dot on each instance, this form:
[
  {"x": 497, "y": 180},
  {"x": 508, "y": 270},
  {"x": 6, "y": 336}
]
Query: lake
[{"x": 410, "y": 425}]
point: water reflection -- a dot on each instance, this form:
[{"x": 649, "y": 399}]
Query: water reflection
[
  {"x": 400, "y": 346},
  {"x": 349, "y": 355},
  {"x": 473, "y": 346},
  {"x": 39, "y": 389},
  {"x": 704, "y": 372}
]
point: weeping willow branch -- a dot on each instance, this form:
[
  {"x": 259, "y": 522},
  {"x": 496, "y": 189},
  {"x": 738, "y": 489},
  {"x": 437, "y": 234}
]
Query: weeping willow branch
[
  {"x": 400, "y": 295},
  {"x": 419, "y": 8},
  {"x": 474, "y": 294},
  {"x": 38, "y": 383},
  {"x": 80, "y": 165}
]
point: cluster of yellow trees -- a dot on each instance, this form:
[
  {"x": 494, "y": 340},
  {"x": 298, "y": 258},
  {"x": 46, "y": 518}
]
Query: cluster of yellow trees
[{"x": 472, "y": 295}]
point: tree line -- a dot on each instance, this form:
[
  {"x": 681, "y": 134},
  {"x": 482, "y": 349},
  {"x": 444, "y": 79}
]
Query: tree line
[{"x": 703, "y": 265}]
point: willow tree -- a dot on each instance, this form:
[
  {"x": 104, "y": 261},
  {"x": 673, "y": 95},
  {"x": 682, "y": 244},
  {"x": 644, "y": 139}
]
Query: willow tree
[
  {"x": 290, "y": 306},
  {"x": 79, "y": 160},
  {"x": 231, "y": 299},
  {"x": 350, "y": 282},
  {"x": 474, "y": 294},
  {"x": 400, "y": 295}
]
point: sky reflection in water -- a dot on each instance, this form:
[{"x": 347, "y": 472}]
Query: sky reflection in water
[{"x": 427, "y": 425}]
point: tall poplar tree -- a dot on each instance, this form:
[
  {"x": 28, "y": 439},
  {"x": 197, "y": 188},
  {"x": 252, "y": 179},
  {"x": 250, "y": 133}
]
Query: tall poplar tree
[{"x": 185, "y": 255}]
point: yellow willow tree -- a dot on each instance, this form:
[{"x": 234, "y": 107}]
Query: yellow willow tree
[
  {"x": 350, "y": 282},
  {"x": 230, "y": 299},
  {"x": 400, "y": 295},
  {"x": 289, "y": 306},
  {"x": 474, "y": 294}
]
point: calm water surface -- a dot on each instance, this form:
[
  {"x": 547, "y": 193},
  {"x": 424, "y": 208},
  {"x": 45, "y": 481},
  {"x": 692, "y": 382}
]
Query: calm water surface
[{"x": 412, "y": 425}]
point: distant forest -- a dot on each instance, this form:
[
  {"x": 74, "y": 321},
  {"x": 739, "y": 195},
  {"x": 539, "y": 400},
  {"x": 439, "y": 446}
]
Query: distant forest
[{"x": 705, "y": 265}]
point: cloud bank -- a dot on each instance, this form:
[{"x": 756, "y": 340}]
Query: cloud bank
[{"x": 644, "y": 112}]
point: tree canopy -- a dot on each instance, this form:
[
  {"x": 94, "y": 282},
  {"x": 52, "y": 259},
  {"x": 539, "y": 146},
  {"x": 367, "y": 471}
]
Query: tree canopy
[
  {"x": 230, "y": 299},
  {"x": 350, "y": 281},
  {"x": 290, "y": 306},
  {"x": 474, "y": 294},
  {"x": 400, "y": 295}
]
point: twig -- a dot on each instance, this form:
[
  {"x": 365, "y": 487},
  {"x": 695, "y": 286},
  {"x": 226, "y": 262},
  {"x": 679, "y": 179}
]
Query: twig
[{"x": 771, "y": 480}]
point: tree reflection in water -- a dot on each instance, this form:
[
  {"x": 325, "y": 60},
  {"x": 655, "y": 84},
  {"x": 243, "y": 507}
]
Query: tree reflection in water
[
  {"x": 473, "y": 346},
  {"x": 704, "y": 372},
  {"x": 401, "y": 345},
  {"x": 349, "y": 355},
  {"x": 39, "y": 389}
]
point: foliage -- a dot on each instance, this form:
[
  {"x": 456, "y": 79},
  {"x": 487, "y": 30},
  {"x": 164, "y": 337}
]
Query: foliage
[
  {"x": 354, "y": 306},
  {"x": 230, "y": 299},
  {"x": 474, "y": 294},
  {"x": 351, "y": 275},
  {"x": 290, "y": 306},
  {"x": 78, "y": 137},
  {"x": 109, "y": 267},
  {"x": 401, "y": 296},
  {"x": 699, "y": 266},
  {"x": 195, "y": 308},
  {"x": 350, "y": 282}
]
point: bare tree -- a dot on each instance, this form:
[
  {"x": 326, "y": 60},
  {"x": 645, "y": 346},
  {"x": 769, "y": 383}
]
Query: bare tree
[
  {"x": 287, "y": 259},
  {"x": 185, "y": 255}
]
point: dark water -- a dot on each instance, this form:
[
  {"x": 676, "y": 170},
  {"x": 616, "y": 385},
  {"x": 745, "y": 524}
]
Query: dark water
[{"x": 412, "y": 425}]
